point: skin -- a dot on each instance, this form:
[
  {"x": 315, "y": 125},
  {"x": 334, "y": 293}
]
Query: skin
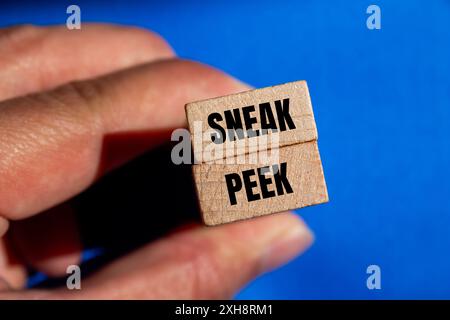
[{"x": 57, "y": 102}]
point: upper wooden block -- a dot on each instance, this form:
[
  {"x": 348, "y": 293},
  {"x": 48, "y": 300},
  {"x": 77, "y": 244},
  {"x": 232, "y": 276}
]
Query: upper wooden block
[{"x": 283, "y": 110}]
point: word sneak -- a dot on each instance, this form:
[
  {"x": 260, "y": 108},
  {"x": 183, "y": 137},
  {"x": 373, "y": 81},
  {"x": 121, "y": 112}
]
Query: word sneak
[{"x": 239, "y": 122}]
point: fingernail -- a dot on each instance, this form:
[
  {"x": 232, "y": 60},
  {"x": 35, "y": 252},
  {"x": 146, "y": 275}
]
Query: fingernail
[
  {"x": 292, "y": 241},
  {"x": 4, "y": 224}
]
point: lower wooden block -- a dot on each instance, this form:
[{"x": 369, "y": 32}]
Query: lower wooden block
[{"x": 230, "y": 192}]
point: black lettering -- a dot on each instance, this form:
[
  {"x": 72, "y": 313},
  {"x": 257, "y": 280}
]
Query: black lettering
[
  {"x": 281, "y": 178},
  {"x": 234, "y": 184},
  {"x": 234, "y": 124},
  {"x": 267, "y": 118},
  {"x": 283, "y": 115},
  {"x": 249, "y": 121},
  {"x": 219, "y": 136},
  {"x": 264, "y": 182},
  {"x": 249, "y": 185}
]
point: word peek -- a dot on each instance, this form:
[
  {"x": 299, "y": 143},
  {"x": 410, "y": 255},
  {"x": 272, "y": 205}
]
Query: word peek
[{"x": 279, "y": 178}]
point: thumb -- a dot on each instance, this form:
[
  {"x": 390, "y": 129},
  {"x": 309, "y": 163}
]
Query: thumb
[{"x": 202, "y": 262}]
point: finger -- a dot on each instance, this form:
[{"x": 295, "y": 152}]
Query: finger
[
  {"x": 38, "y": 58},
  {"x": 202, "y": 263},
  {"x": 53, "y": 143}
]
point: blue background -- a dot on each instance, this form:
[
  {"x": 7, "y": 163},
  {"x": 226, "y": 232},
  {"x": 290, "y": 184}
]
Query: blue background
[{"x": 382, "y": 105}]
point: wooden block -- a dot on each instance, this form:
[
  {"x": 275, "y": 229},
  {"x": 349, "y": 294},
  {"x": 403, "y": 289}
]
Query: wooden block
[
  {"x": 230, "y": 192},
  {"x": 239, "y": 184},
  {"x": 286, "y": 107}
]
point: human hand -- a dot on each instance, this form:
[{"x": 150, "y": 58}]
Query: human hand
[{"x": 61, "y": 92}]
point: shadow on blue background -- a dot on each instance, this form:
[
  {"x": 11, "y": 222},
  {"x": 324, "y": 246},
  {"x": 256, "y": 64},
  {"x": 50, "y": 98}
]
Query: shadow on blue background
[{"x": 382, "y": 105}]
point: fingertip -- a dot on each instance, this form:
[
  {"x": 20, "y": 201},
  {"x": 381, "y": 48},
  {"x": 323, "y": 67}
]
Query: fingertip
[
  {"x": 272, "y": 240},
  {"x": 147, "y": 41},
  {"x": 293, "y": 240},
  {"x": 221, "y": 83}
]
